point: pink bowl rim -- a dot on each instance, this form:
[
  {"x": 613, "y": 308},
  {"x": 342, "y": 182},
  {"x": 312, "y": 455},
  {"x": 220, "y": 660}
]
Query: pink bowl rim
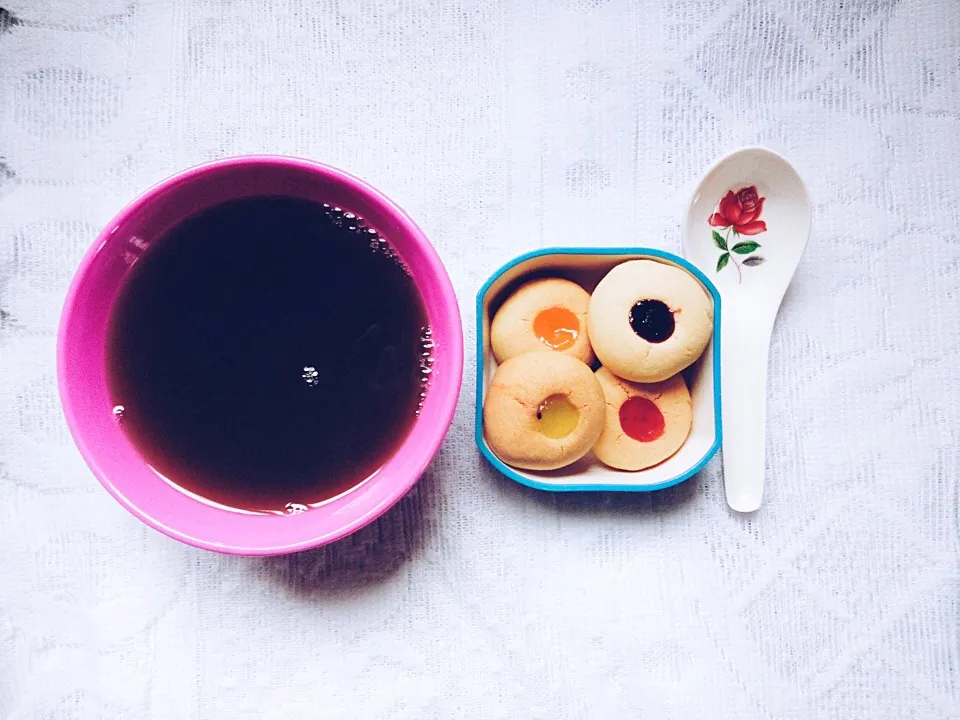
[{"x": 447, "y": 306}]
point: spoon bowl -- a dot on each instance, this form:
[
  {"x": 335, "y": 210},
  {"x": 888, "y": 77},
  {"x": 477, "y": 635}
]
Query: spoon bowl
[{"x": 746, "y": 228}]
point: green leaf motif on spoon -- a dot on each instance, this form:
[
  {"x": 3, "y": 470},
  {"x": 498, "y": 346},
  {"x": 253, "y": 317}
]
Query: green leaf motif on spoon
[{"x": 745, "y": 248}]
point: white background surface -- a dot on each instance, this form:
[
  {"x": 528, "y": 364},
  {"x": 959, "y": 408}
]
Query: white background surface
[{"x": 504, "y": 125}]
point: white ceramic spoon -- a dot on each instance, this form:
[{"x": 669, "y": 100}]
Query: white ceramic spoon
[{"x": 746, "y": 229}]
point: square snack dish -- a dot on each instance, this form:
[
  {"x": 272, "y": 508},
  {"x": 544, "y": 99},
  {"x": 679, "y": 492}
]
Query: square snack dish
[{"x": 586, "y": 266}]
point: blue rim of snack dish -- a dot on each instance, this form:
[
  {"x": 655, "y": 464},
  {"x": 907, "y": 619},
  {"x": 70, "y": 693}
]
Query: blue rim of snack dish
[{"x": 599, "y": 487}]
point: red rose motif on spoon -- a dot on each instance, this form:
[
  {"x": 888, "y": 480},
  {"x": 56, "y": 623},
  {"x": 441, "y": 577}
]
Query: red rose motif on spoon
[{"x": 738, "y": 212}]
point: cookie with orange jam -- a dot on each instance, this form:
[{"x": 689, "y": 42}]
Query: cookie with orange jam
[
  {"x": 543, "y": 411},
  {"x": 544, "y": 314},
  {"x": 645, "y": 423}
]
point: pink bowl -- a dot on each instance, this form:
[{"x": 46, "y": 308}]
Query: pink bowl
[{"x": 82, "y": 369}]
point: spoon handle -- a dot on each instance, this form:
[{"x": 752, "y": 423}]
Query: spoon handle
[{"x": 745, "y": 348}]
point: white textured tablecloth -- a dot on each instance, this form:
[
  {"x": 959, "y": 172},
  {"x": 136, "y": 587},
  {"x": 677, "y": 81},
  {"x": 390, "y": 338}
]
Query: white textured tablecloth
[{"x": 504, "y": 125}]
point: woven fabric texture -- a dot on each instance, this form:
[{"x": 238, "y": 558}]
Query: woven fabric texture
[{"x": 502, "y": 126}]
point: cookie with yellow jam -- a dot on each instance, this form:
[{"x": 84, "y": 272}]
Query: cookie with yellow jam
[{"x": 543, "y": 411}]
